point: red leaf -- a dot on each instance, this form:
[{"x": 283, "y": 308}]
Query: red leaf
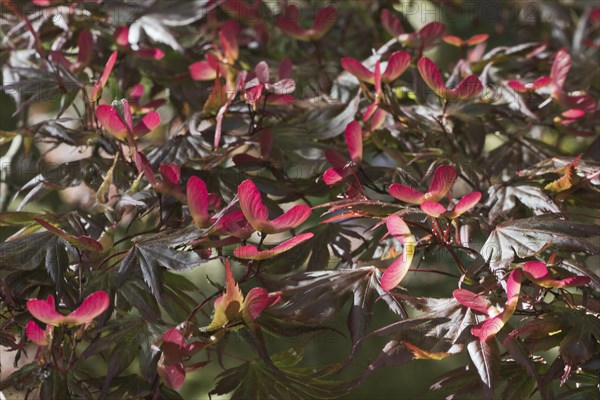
[{"x": 84, "y": 242}]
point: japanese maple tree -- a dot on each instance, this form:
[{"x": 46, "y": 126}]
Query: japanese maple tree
[{"x": 195, "y": 193}]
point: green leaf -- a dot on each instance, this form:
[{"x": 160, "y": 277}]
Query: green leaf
[
  {"x": 527, "y": 237},
  {"x": 503, "y": 199},
  {"x": 27, "y": 252},
  {"x": 57, "y": 261},
  {"x": 486, "y": 358},
  {"x": 157, "y": 251},
  {"x": 19, "y": 218},
  {"x": 256, "y": 380},
  {"x": 314, "y": 297}
]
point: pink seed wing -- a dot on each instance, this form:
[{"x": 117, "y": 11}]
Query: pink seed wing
[
  {"x": 488, "y": 328},
  {"x": 202, "y": 71},
  {"x": 472, "y": 300},
  {"x": 111, "y": 121},
  {"x": 391, "y": 23},
  {"x": 324, "y": 21},
  {"x": 476, "y": 39},
  {"x": 356, "y": 68},
  {"x": 170, "y": 174},
  {"x": 433, "y": 209},
  {"x": 560, "y": 68},
  {"x": 453, "y": 40},
  {"x": 288, "y": 23},
  {"x": 147, "y": 124},
  {"x": 251, "y": 204},
  {"x": 256, "y": 301},
  {"x": 36, "y": 334},
  {"x": 468, "y": 89},
  {"x": 354, "y": 141},
  {"x": 431, "y": 75},
  {"x": 394, "y": 274},
  {"x": 285, "y": 68},
  {"x": 397, "y": 65},
  {"x": 98, "y": 86},
  {"x": 121, "y": 36},
  {"x": 85, "y": 42},
  {"x": 406, "y": 194},
  {"x": 513, "y": 287},
  {"x": 430, "y": 33},
  {"x": 91, "y": 307},
  {"x": 398, "y": 228},
  {"x": 252, "y": 253},
  {"x": 535, "y": 270},
  {"x": 519, "y": 87},
  {"x": 542, "y": 82},
  {"x": 443, "y": 179},
  {"x": 44, "y": 311},
  {"x": 466, "y": 203},
  {"x": 292, "y": 218},
  {"x": 172, "y": 374},
  {"x": 332, "y": 176},
  {"x": 197, "y": 200}
]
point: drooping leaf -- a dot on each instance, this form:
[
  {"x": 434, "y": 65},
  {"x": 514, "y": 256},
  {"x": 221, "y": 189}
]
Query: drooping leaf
[
  {"x": 256, "y": 380},
  {"x": 526, "y": 237},
  {"x": 504, "y": 199},
  {"x": 486, "y": 358}
]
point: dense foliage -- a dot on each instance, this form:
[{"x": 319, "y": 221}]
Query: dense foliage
[{"x": 325, "y": 160}]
